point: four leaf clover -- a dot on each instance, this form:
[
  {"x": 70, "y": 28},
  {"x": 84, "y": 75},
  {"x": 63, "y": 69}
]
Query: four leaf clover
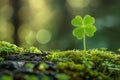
[{"x": 84, "y": 27}]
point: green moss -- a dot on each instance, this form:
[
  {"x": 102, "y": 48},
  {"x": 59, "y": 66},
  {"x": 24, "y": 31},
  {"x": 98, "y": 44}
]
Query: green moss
[
  {"x": 1, "y": 59},
  {"x": 103, "y": 63},
  {"x": 79, "y": 71},
  {"x": 78, "y": 56},
  {"x": 62, "y": 76},
  {"x": 45, "y": 78},
  {"x": 6, "y": 77},
  {"x": 30, "y": 77},
  {"x": 29, "y": 65},
  {"x": 33, "y": 50},
  {"x": 8, "y": 48},
  {"x": 42, "y": 67}
]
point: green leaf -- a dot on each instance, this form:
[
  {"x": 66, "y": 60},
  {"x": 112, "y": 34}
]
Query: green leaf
[
  {"x": 78, "y": 32},
  {"x": 89, "y": 30},
  {"x": 77, "y": 21},
  {"x": 88, "y": 20}
]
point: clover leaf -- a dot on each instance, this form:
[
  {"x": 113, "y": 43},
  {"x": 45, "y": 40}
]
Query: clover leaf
[{"x": 84, "y": 27}]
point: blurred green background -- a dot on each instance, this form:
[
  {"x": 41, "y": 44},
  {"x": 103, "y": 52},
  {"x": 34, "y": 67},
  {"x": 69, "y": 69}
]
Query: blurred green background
[{"x": 46, "y": 24}]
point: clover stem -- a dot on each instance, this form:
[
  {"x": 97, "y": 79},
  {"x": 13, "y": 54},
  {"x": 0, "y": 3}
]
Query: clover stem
[{"x": 84, "y": 41}]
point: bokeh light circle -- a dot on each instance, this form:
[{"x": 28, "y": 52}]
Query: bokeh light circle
[{"x": 43, "y": 36}]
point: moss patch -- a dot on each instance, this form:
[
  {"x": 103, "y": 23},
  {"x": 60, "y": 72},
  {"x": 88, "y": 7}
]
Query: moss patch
[
  {"x": 94, "y": 63},
  {"x": 8, "y": 48},
  {"x": 32, "y": 50}
]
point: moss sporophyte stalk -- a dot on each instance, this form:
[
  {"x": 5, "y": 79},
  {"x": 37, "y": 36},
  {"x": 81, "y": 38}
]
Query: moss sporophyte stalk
[{"x": 84, "y": 27}]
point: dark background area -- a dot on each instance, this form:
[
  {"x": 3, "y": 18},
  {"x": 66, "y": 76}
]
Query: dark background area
[{"x": 46, "y": 24}]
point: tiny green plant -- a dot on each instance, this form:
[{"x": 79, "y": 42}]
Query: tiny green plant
[{"x": 84, "y": 27}]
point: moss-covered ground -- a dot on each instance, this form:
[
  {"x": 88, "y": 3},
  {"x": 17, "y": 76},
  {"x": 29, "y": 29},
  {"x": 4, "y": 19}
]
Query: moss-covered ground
[{"x": 92, "y": 64}]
